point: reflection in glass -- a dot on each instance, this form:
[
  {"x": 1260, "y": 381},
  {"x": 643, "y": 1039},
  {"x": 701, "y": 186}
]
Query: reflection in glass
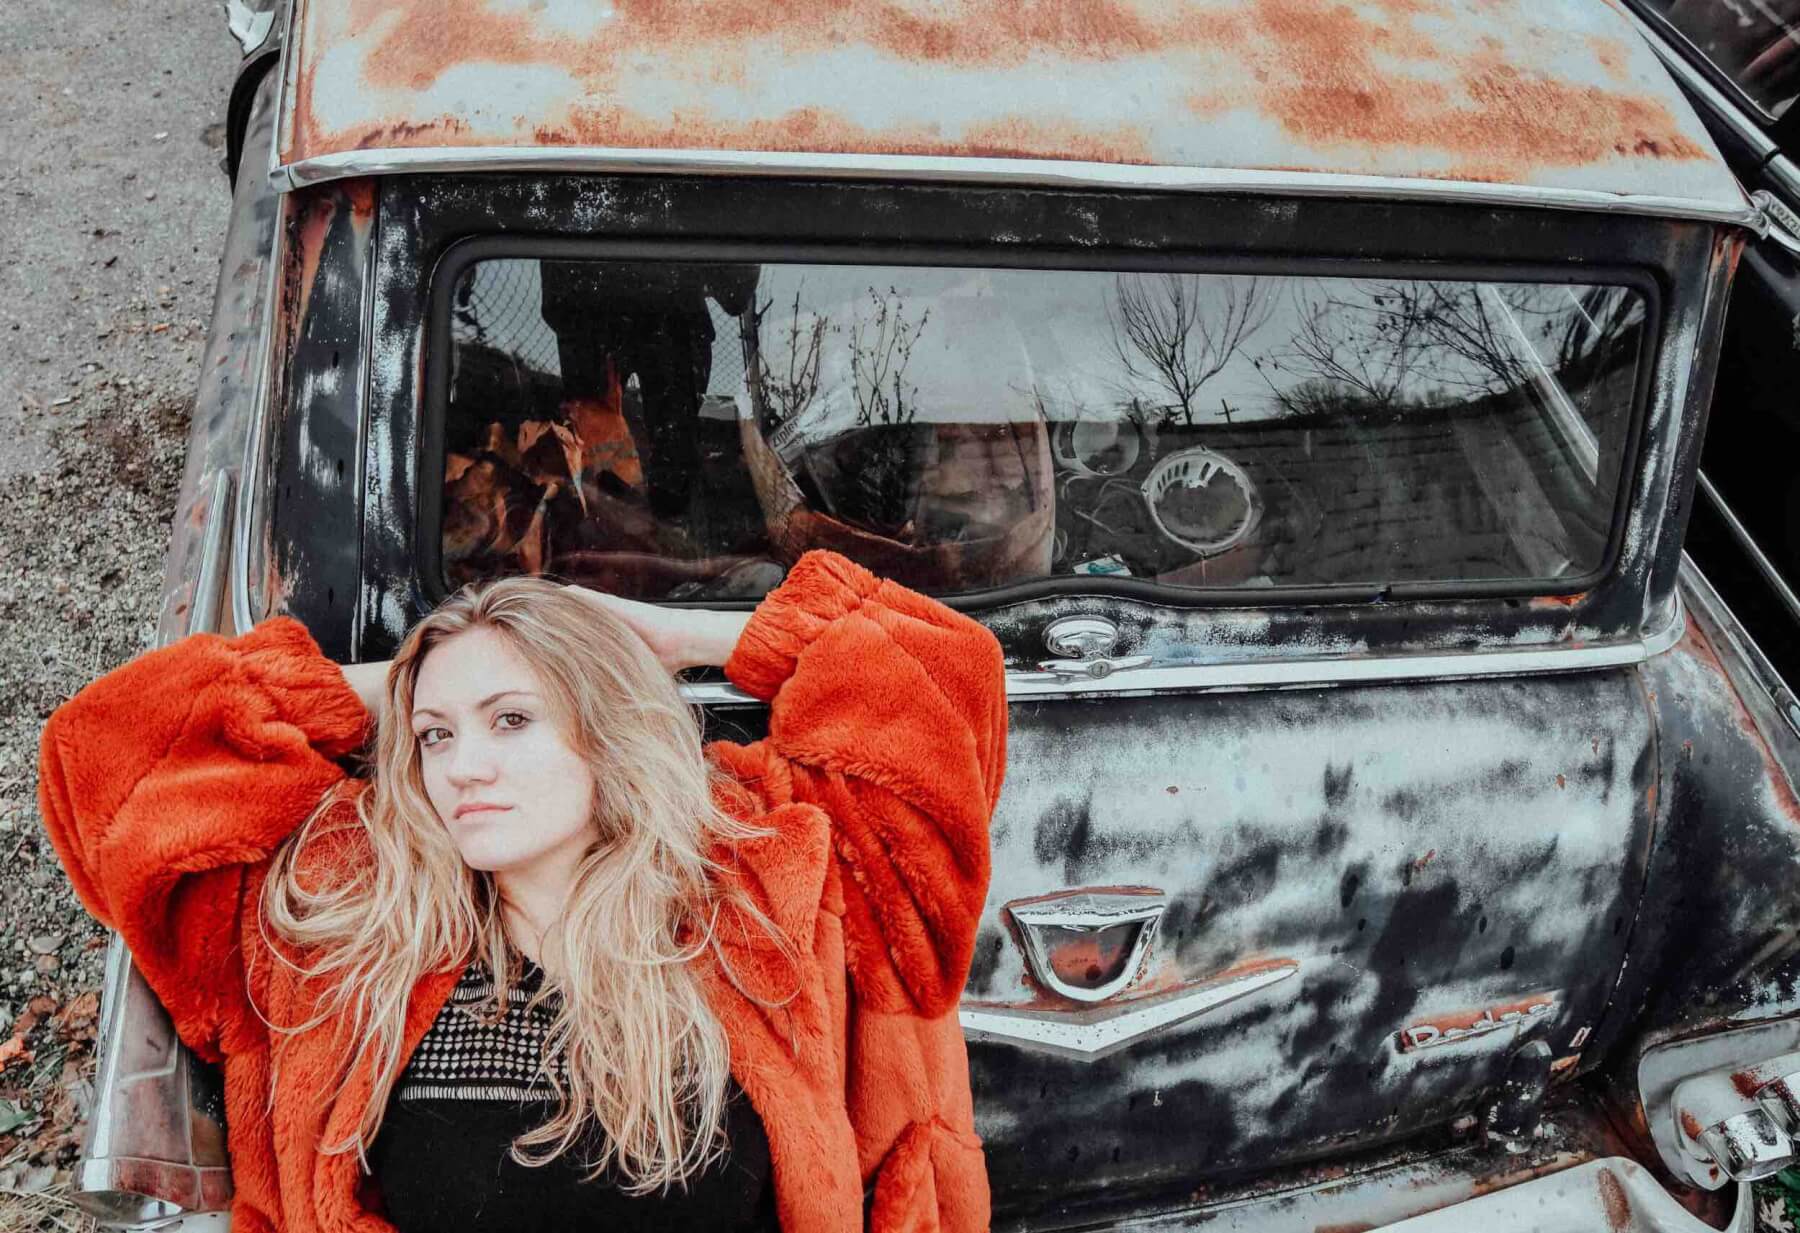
[
  {"x": 1756, "y": 43},
  {"x": 678, "y": 430}
]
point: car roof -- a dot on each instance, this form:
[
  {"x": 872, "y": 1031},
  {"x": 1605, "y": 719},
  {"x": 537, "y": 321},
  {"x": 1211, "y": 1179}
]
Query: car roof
[{"x": 1559, "y": 103}]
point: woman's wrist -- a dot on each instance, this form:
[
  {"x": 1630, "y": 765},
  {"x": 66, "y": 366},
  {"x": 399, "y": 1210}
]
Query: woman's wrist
[
  {"x": 712, "y": 637},
  {"x": 370, "y": 683}
]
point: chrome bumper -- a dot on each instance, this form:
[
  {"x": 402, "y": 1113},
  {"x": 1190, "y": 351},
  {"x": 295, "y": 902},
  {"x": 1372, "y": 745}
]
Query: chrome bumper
[{"x": 1612, "y": 1193}]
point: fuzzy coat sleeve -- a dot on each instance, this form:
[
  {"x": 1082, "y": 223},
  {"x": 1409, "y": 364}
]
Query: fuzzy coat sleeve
[
  {"x": 163, "y": 782},
  {"x": 888, "y": 712}
]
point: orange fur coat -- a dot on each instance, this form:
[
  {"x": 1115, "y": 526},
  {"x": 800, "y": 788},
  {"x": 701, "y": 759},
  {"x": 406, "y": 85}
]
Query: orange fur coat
[{"x": 166, "y": 784}]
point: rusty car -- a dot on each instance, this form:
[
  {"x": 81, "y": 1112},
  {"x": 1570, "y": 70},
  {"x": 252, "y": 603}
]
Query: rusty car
[{"x": 1399, "y": 829}]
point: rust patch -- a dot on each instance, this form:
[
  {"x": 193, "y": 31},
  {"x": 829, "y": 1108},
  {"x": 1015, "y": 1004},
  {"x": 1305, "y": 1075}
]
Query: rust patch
[
  {"x": 1609, "y": 54},
  {"x": 1352, "y": 80},
  {"x": 1690, "y": 1125},
  {"x": 1615, "y": 1202},
  {"x": 309, "y": 231},
  {"x": 1505, "y": 1181},
  {"x": 1746, "y": 1083},
  {"x": 1356, "y": 1227},
  {"x": 1694, "y": 643},
  {"x": 361, "y": 194}
]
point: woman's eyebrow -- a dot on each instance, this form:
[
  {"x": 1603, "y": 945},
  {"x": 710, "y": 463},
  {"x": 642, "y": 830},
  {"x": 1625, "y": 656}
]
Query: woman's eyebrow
[{"x": 491, "y": 698}]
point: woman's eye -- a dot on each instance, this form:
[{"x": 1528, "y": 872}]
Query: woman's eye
[
  {"x": 427, "y": 737},
  {"x": 506, "y": 715}
]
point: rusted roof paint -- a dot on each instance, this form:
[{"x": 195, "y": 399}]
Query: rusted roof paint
[{"x": 1513, "y": 92}]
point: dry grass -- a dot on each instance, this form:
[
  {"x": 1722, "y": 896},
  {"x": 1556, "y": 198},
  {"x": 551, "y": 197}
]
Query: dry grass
[{"x": 42, "y": 1211}]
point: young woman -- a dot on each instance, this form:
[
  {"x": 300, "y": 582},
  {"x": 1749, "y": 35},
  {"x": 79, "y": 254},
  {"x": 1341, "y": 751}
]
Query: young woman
[{"x": 552, "y": 965}]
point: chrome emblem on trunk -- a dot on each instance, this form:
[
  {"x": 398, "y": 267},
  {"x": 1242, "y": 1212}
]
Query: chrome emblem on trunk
[
  {"x": 1447, "y": 1029},
  {"x": 1087, "y": 945}
]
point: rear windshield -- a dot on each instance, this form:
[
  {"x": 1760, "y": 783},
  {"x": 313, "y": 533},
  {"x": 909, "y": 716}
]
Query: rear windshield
[{"x": 670, "y": 430}]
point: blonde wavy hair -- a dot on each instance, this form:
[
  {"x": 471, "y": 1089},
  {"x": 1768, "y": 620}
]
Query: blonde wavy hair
[{"x": 647, "y": 1061}]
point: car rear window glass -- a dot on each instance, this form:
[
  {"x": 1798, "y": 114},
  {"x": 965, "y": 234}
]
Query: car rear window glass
[
  {"x": 1756, "y": 43},
  {"x": 670, "y": 430}
]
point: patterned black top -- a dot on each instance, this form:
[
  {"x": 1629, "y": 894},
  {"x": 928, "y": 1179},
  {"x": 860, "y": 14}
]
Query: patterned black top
[{"x": 470, "y": 1088}]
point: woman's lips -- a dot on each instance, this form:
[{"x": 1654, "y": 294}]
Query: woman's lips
[{"x": 463, "y": 811}]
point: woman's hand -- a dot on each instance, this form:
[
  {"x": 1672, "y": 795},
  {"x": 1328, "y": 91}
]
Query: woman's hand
[{"x": 679, "y": 637}]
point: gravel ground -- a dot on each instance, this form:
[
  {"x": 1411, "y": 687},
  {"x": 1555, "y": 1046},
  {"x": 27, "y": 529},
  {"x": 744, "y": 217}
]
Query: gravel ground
[{"x": 114, "y": 209}]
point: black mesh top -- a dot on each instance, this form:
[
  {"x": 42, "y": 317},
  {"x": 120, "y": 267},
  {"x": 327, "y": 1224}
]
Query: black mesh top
[{"x": 470, "y": 1088}]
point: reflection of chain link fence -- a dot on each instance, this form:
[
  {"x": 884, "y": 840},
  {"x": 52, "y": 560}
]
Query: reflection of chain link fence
[{"x": 499, "y": 304}]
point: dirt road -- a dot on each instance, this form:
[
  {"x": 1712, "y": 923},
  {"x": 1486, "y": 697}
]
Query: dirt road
[{"x": 111, "y": 220}]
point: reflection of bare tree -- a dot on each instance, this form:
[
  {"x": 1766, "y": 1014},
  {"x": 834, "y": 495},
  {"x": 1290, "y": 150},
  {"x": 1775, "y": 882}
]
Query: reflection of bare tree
[
  {"x": 1361, "y": 348},
  {"x": 880, "y": 350},
  {"x": 1403, "y": 344},
  {"x": 1179, "y": 330},
  {"x": 791, "y": 391}
]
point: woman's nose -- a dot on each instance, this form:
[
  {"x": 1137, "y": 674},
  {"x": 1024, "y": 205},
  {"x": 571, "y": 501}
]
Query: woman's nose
[{"x": 471, "y": 761}]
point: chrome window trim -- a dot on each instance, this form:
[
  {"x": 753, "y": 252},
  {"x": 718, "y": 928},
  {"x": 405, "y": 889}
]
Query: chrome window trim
[
  {"x": 1022, "y": 171},
  {"x": 1026, "y": 684}
]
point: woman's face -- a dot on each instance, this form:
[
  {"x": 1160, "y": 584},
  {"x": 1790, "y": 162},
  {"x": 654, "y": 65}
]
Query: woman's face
[{"x": 514, "y": 795}]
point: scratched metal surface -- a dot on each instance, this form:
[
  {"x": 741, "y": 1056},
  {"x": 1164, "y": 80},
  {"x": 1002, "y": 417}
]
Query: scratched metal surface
[
  {"x": 1422, "y": 852},
  {"x": 1563, "y": 96},
  {"x": 310, "y": 561}
]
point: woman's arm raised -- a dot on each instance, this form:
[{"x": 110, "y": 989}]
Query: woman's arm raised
[
  {"x": 887, "y": 710},
  {"x": 163, "y": 781}
]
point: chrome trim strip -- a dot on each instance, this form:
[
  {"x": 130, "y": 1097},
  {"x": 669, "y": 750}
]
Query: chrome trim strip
[
  {"x": 1306, "y": 673},
  {"x": 209, "y": 583},
  {"x": 250, "y": 471},
  {"x": 1051, "y": 172},
  {"x": 1085, "y": 1035},
  {"x": 1764, "y": 566},
  {"x": 1690, "y": 78}
]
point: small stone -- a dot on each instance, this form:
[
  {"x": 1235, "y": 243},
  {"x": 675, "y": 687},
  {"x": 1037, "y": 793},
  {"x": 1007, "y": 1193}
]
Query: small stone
[
  {"x": 149, "y": 194},
  {"x": 59, "y": 584},
  {"x": 47, "y": 965},
  {"x": 45, "y": 943}
]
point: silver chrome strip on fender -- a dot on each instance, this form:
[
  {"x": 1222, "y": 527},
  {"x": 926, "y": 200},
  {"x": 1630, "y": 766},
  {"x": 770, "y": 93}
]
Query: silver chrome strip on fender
[
  {"x": 131, "y": 1170},
  {"x": 250, "y": 471},
  {"x": 1094, "y": 1032},
  {"x": 1018, "y": 171},
  {"x": 1305, "y": 673},
  {"x": 209, "y": 584},
  {"x": 1764, "y": 566}
]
